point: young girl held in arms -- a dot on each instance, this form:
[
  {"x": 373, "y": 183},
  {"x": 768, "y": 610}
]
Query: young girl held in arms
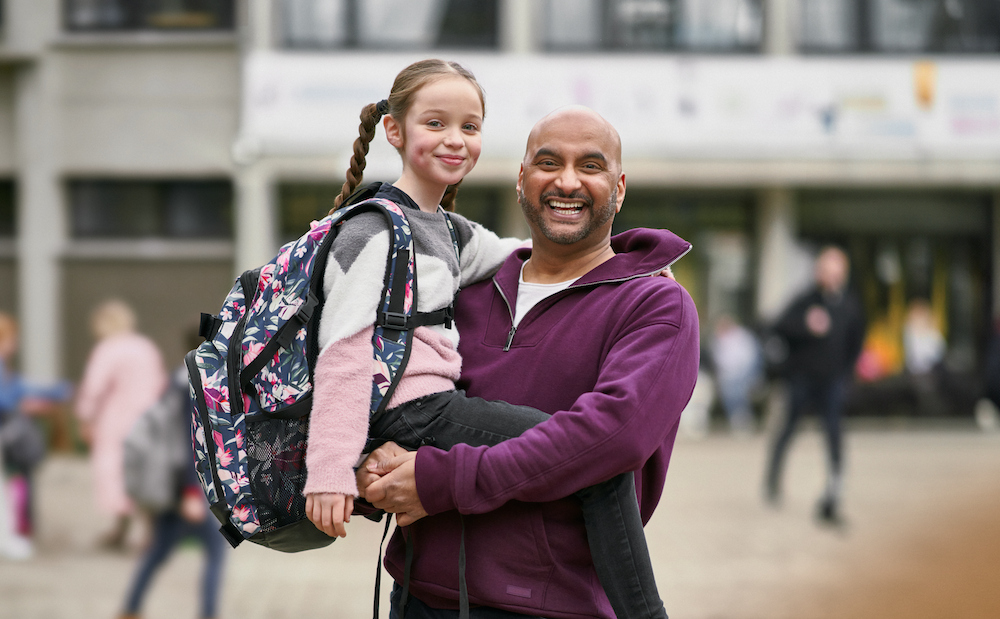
[{"x": 433, "y": 117}]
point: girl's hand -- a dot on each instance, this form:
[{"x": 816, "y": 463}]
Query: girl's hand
[{"x": 330, "y": 511}]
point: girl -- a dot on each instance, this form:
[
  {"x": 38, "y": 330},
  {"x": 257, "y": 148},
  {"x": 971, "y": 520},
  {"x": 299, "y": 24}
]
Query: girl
[{"x": 433, "y": 117}]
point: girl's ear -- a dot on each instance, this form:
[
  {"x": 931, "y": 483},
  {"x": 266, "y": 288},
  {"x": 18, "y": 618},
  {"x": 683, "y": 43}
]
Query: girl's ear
[{"x": 393, "y": 131}]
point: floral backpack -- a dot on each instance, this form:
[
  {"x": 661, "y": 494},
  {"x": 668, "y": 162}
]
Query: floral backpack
[{"x": 251, "y": 380}]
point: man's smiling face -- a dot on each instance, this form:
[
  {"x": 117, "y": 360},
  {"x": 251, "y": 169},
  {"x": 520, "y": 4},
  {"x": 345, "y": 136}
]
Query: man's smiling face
[{"x": 571, "y": 185}]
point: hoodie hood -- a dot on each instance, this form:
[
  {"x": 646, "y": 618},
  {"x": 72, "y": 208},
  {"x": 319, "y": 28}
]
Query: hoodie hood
[{"x": 638, "y": 253}]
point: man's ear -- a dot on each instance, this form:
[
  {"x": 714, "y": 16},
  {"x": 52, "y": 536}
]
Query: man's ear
[
  {"x": 621, "y": 192},
  {"x": 520, "y": 177},
  {"x": 393, "y": 131}
]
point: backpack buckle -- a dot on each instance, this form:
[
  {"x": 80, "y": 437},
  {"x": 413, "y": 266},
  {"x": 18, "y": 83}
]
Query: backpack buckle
[{"x": 393, "y": 320}]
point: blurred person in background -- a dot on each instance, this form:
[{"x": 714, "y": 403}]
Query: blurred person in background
[
  {"x": 824, "y": 329},
  {"x": 124, "y": 376},
  {"x": 188, "y": 515},
  {"x": 738, "y": 364},
  {"x": 21, "y": 442},
  {"x": 923, "y": 348}
]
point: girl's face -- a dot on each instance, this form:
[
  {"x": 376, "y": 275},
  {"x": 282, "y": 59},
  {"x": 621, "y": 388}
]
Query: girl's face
[{"x": 441, "y": 138}]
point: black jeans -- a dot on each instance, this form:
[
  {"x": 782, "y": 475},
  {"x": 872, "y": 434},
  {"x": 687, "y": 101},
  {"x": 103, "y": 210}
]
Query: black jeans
[
  {"x": 610, "y": 510},
  {"x": 826, "y": 396}
]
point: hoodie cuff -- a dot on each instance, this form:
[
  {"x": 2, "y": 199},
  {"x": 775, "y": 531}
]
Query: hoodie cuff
[{"x": 434, "y": 480}]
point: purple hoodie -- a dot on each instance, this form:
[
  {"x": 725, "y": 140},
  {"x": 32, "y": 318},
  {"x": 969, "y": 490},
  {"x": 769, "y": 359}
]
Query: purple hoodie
[{"x": 614, "y": 359}]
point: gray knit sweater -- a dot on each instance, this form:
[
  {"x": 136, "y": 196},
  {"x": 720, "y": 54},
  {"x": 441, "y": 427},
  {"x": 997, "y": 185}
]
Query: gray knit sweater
[{"x": 353, "y": 285}]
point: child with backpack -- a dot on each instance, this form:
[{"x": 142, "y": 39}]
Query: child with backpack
[{"x": 433, "y": 117}]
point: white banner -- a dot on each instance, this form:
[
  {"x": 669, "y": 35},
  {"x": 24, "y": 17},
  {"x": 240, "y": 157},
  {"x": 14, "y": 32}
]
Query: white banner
[{"x": 665, "y": 107}]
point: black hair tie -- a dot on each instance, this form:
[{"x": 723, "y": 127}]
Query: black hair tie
[{"x": 382, "y": 107}]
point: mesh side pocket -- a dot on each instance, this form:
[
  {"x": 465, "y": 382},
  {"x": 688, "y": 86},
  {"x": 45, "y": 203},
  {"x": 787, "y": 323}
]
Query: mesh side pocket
[{"x": 276, "y": 456}]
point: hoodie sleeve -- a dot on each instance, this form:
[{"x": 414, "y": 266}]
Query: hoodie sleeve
[{"x": 645, "y": 381}]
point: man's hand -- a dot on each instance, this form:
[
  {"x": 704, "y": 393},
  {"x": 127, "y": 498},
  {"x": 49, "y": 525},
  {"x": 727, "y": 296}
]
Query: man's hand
[
  {"x": 376, "y": 465},
  {"x": 818, "y": 320},
  {"x": 395, "y": 490},
  {"x": 329, "y": 511}
]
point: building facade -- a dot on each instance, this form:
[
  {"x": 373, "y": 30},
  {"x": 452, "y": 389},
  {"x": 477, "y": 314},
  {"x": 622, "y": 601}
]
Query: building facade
[{"x": 154, "y": 153}]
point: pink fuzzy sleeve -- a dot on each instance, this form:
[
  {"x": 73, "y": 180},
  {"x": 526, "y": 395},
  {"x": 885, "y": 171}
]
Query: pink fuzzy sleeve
[{"x": 338, "y": 427}]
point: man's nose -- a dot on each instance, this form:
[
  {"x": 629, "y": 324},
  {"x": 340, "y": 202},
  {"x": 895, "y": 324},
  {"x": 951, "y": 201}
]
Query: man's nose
[{"x": 568, "y": 180}]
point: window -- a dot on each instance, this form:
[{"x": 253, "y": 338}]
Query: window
[
  {"x": 151, "y": 209},
  {"x": 642, "y": 25},
  {"x": 299, "y": 204},
  {"x": 899, "y": 26},
  {"x": 389, "y": 24},
  {"x": 118, "y": 15}
]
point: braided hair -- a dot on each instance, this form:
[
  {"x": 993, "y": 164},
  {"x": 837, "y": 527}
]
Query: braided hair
[{"x": 404, "y": 88}]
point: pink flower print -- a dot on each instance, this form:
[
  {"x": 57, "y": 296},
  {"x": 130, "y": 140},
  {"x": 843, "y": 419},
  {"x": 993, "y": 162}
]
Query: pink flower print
[
  {"x": 246, "y": 403},
  {"x": 242, "y": 479},
  {"x": 253, "y": 349},
  {"x": 226, "y": 314},
  {"x": 408, "y": 299},
  {"x": 241, "y": 513},
  {"x": 283, "y": 260},
  {"x": 225, "y": 456},
  {"x": 239, "y": 439},
  {"x": 300, "y": 251}
]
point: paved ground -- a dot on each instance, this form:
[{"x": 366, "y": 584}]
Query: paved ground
[{"x": 923, "y": 541}]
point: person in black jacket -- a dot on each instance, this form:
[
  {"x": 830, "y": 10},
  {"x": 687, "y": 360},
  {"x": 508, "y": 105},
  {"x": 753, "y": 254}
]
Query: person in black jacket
[{"x": 824, "y": 330}]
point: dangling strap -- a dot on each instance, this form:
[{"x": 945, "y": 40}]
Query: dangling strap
[
  {"x": 463, "y": 589},
  {"x": 378, "y": 567},
  {"x": 407, "y": 564}
]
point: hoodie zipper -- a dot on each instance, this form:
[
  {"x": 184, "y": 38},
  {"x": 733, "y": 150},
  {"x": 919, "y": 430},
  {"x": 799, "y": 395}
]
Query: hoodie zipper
[{"x": 513, "y": 329}]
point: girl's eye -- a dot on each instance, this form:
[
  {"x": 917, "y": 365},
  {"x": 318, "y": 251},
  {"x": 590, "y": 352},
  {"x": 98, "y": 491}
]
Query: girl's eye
[
  {"x": 434, "y": 123},
  {"x": 471, "y": 127}
]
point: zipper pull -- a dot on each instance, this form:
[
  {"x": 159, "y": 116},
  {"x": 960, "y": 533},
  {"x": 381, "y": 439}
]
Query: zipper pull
[{"x": 510, "y": 337}]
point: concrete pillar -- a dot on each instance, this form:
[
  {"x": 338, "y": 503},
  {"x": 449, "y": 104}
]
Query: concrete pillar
[
  {"x": 256, "y": 238},
  {"x": 41, "y": 222},
  {"x": 258, "y": 22},
  {"x": 779, "y": 27},
  {"x": 776, "y": 231},
  {"x": 517, "y": 26}
]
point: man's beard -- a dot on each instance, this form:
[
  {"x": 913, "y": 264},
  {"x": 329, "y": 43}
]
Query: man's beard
[{"x": 598, "y": 216}]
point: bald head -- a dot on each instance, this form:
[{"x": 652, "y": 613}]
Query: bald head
[{"x": 581, "y": 122}]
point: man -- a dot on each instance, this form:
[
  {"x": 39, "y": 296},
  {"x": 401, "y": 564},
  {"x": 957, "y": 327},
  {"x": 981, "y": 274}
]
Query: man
[
  {"x": 824, "y": 329},
  {"x": 575, "y": 327}
]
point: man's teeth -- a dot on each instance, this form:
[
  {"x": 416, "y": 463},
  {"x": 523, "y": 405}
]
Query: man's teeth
[{"x": 565, "y": 207}]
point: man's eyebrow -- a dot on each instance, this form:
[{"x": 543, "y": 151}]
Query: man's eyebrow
[{"x": 597, "y": 155}]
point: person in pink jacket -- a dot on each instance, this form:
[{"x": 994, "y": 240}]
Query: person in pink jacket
[{"x": 124, "y": 376}]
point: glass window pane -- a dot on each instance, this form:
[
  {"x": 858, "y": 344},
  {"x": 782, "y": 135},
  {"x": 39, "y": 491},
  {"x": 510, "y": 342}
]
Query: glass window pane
[
  {"x": 711, "y": 25},
  {"x": 149, "y": 14},
  {"x": 314, "y": 23},
  {"x": 828, "y": 25},
  {"x": 469, "y": 23},
  {"x": 8, "y": 209},
  {"x": 144, "y": 209},
  {"x": 411, "y": 24},
  {"x": 573, "y": 24},
  {"x": 198, "y": 209},
  {"x": 390, "y": 24},
  {"x": 299, "y": 204},
  {"x": 900, "y": 26},
  {"x": 720, "y": 24}
]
